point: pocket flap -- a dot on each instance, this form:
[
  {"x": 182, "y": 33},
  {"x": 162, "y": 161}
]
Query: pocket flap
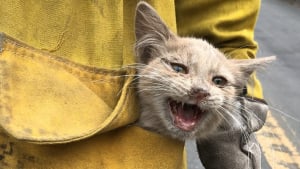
[{"x": 48, "y": 99}]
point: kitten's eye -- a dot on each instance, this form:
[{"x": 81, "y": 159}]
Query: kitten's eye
[
  {"x": 219, "y": 81},
  {"x": 179, "y": 68}
]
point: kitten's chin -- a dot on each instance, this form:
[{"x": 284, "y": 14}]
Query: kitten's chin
[{"x": 185, "y": 116}]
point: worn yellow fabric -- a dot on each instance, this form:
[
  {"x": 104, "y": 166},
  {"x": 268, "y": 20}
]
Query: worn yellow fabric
[
  {"x": 50, "y": 99},
  {"x": 66, "y": 81},
  {"x": 64, "y": 99},
  {"x": 130, "y": 147}
]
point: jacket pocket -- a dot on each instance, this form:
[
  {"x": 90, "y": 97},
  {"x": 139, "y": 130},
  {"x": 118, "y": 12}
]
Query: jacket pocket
[{"x": 48, "y": 99}]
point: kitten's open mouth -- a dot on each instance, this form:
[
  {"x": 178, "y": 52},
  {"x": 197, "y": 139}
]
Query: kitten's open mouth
[{"x": 185, "y": 116}]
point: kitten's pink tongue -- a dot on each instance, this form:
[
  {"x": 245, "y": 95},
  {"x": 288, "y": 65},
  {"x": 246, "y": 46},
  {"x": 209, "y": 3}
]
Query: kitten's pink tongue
[{"x": 185, "y": 117}]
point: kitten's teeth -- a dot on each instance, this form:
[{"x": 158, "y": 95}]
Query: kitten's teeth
[{"x": 182, "y": 104}]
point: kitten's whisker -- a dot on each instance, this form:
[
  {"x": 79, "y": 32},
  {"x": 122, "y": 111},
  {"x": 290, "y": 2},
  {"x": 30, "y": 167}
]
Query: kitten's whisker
[
  {"x": 222, "y": 116},
  {"x": 243, "y": 129},
  {"x": 145, "y": 90},
  {"x": 155, "y": 86},
  {"x": 237, "y": 109},
  {"x": 244, "y": 133},
  {"x": 232, "y": 117},
  {"x": 157, "y": 75},
  {"x": 285, "y": 114},
  {"x": 176, "y": 84},
  {"x": 161, "y": 72},
  {"x": 171, "y": 86},
  {"x": 152, "y": 88},
  {"x": 240, "y": 127},
  {"x": 277, "y": 110}
]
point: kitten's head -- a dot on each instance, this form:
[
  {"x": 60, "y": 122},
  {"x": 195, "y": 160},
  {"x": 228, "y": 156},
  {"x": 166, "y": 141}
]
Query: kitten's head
[{"x": 186, "y": 86}]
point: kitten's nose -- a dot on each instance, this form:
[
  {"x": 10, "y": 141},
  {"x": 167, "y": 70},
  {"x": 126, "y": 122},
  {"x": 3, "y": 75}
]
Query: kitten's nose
[{"x": 199, "y": 93}]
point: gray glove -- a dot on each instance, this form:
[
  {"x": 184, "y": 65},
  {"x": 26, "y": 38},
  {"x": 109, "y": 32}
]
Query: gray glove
[{"x": 236, "y": 149}]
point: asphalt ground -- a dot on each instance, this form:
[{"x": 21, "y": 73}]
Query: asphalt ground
[{"x": 277, "y": 33}]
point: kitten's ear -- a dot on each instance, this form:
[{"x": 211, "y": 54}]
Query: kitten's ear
[
  {"x": 150, "y": 31},
  {"x": 248, "y": 66},
  {"x": 147, "y": 21}
]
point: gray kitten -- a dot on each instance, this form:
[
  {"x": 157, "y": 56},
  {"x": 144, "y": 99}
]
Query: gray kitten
[{"x": 187, "y": 88}]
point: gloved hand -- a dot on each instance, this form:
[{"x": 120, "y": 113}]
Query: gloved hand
[{"x": 236, "y": 149}]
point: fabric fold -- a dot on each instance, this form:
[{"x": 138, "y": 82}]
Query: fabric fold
[{"x": 48, "y": 99}]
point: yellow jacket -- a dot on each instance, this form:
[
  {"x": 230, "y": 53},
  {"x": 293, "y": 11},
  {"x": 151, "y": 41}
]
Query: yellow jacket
[{"x": 65, "y": 95}]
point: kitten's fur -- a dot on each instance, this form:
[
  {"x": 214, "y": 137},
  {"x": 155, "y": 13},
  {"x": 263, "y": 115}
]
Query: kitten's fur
[{"x": 161, "y": 89}]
